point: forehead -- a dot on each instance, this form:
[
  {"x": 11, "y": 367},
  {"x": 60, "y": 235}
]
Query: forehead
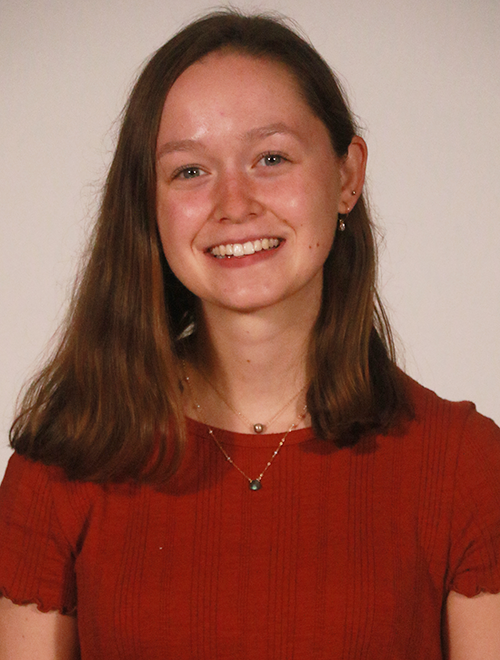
[
  {"x": 231, "y": 89},
  {"x": 231, "y": 64}
]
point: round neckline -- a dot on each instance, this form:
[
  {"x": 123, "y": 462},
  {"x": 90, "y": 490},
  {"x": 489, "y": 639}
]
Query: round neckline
[{"x": 248, "y": 439}]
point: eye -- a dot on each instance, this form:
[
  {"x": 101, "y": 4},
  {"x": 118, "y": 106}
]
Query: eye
[
  {"x": 272, "y": 159},
  {"x": 190, "y": 172}
]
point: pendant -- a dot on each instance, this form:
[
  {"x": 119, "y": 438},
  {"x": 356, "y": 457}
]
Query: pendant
[
  {"x": 258, "y": 428},
  {"x": 255, "y": 485}
]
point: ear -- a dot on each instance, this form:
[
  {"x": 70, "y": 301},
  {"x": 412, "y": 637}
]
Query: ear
[{"x": 352, "y": 174}]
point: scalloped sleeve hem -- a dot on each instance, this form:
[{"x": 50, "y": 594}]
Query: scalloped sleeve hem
[
  {"x": 471, "y": 586},
  {"x": 41, "y": 606}
]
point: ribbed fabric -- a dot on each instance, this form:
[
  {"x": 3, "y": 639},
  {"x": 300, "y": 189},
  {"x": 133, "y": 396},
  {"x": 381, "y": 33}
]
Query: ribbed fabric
[{"x": 344, "y": 554}]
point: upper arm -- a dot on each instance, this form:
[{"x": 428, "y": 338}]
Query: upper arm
[
  {"x": 473, "y": 626},
  {"x": 27, "y": 633}
]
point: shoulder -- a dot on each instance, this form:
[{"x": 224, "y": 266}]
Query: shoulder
[
  {"x": 428, "y": 404},
  {"x": 449, "y": 449},
  {"x": 441, "y": 418},
  {"x": 470, "y": 438},
  {"x": 32, "y": 485}
]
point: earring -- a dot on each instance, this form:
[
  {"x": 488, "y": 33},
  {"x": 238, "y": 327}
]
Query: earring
[{"x": 342, "y": 218}]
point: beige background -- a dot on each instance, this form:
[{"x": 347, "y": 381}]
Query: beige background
[{"x": 423, "y": 78}]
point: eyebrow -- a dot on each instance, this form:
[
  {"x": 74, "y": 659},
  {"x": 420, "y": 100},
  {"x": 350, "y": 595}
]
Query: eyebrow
[
  {"x": 254, "y": 134},
  {"x": 177, "y": 145},
  {"x": 271, "y": 129}
]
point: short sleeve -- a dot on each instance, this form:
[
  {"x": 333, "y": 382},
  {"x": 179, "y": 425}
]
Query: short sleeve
[
  {"x": 475, "y": 532},
  {"x": 36, "y": 558}
]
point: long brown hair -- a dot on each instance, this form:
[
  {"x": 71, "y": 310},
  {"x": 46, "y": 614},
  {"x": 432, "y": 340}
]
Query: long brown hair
[{"x": 108, "y": 404}]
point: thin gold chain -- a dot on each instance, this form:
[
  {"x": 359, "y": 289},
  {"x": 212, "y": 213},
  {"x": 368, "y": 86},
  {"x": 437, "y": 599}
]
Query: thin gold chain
[
  {"x": 262, "y": 427},
  {"x": 275, "y": 453},
  {"x": 255, "y": 484}
]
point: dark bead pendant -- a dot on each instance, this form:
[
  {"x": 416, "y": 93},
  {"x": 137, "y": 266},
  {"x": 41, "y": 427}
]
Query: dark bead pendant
[
  {"x": 255, "y": 485},
  {"x": 258, "y": 428}
]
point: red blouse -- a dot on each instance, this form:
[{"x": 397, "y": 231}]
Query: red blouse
[{"x": 343, "y": 554}]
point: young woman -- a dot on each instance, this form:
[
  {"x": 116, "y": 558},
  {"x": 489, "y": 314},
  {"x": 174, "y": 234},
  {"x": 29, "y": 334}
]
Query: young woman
[{"x": 222, "y": 459}]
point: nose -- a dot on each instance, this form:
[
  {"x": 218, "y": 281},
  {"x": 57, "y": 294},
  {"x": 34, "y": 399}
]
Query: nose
[{"x": 235, "y": 198}]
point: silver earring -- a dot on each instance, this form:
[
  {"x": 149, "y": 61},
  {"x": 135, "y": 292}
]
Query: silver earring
[{"x": 341, "y": 224}]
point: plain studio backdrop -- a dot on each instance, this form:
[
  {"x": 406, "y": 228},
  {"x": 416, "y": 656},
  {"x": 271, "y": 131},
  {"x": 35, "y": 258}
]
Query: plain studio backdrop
[{"x": 423, "y": 78}]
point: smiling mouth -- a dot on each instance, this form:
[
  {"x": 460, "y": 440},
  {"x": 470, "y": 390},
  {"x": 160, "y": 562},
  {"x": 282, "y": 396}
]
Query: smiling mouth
[{"x": 229, "y": 250}]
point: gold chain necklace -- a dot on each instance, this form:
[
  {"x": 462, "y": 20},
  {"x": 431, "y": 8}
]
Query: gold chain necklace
[
  {"x": 253, "y": 484},
  {"x": 257, "y": 428},
  {"x": 256, "y": 484}
]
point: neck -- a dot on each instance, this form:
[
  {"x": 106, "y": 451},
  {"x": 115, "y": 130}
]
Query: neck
[{"x": 256, "y": 361}]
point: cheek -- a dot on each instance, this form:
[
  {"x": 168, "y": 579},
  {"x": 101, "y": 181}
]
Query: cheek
[
  {"x": 178, "y": 229},
  {"x": 322, "y": 230},
  {"x": 174, "y": 224},
  {"x": 182, "y": 214}
]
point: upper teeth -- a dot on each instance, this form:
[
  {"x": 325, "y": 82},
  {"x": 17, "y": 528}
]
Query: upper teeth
[{"x": 242, "y": 249}]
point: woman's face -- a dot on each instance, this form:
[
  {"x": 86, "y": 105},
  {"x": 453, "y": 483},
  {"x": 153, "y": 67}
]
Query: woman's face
[{"x": 245, "y": 167}]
